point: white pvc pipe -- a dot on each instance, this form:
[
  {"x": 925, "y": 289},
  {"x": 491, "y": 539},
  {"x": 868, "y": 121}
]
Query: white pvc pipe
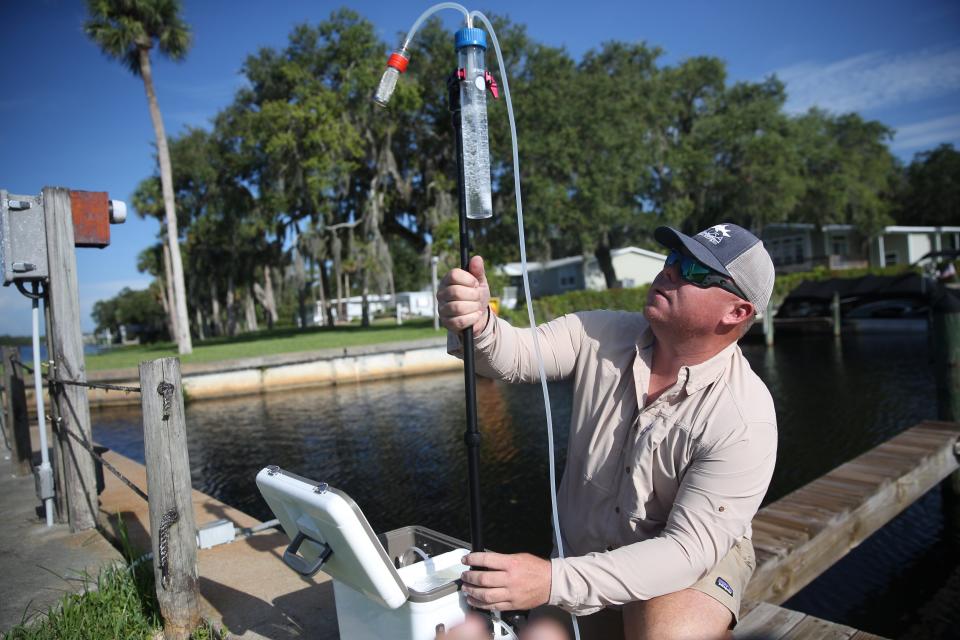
[{"x": 41, "y": 416}]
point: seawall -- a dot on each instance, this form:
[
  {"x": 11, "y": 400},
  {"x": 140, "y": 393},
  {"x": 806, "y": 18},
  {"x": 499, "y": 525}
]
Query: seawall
[{"x": 327, "y": 367}]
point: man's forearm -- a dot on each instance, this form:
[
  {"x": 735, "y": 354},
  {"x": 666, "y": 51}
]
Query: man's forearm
[
  {"x": 505, "y": 352},
  {"x": 639, "y": 571}
]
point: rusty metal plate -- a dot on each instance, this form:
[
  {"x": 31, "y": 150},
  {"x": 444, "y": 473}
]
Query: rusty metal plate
[{"x": 91, "y": 218}]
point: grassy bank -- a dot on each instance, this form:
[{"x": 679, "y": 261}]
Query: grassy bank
[
  {"x": 120, "y": 602},
  {"x": 264, "y": 343}
]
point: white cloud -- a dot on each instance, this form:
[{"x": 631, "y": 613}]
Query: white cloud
[
  {"x": 928, "y": 133},
  {"x": 872, "y": 80}
]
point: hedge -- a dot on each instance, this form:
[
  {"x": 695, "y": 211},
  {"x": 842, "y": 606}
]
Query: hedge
[
  {"x": 550, "y": 307},
  {"x": 633, "y": 299}
]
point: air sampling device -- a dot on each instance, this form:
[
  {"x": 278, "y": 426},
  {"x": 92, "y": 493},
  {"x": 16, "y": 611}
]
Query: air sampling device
[{"x": 404, "y": 584}]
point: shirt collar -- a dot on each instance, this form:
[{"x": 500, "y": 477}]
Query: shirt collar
[
  {"x": 700, "y": 375},
  {"x": 691, "y": 378}
]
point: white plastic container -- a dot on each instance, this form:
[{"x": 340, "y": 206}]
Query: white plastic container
[
  {"x": 416, "y": 618},
  {"x": 384, "y": 588}
]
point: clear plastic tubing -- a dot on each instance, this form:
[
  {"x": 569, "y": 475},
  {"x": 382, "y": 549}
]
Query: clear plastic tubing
[
  {"x": 471, "y": 44},
  {"x": 558, "y": 537},
  {"x": 398, "y": 61},
  {"x": 381, "y": 99},
  {"x": 429, "y": 12}
]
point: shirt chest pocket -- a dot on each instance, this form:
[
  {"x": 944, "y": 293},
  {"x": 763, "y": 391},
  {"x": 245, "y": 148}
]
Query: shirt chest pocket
[
  {"x": 643, "y": 468},
  {"x": 603, "y": 442}
]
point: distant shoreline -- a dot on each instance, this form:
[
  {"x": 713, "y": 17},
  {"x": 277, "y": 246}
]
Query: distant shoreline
[{"x": 327, "y": 367}]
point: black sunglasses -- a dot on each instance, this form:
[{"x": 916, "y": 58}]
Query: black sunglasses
[{"x": 700, "y": 275}]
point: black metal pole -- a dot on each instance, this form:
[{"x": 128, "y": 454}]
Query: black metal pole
[{"x": 472, "y": 436}]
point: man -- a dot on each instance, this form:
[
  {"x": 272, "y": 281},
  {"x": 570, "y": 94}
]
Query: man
[{"x": 671, "y": 449}]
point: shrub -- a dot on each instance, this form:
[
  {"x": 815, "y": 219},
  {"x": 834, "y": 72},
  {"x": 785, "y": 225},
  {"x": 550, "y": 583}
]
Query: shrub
[
  {"x": 786, "y": 283},
  {"x": 550, "y": 307}
]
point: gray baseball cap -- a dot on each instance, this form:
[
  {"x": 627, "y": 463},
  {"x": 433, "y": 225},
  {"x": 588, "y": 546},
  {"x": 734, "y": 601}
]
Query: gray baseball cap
[{"x": 732, "y": 251}]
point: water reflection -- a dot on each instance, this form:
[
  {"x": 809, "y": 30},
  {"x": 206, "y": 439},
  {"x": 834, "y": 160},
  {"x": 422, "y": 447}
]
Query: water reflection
[{"x": 397, "y": 448}]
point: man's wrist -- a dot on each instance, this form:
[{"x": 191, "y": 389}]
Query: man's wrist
[{"x": 486, "y": 322}]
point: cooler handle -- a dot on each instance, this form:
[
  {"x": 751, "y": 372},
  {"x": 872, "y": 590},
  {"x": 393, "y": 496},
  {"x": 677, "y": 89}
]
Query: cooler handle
[{"x": 299, "y": 563}]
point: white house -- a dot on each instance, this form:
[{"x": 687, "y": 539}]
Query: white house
[
  {"x": 416, "y": 303},
  {"x": 412, "y": 303},
  {"x": 906, "y": 245},
  {"x": 801, "y": 246},
  {"x": 633, "y": 267}
]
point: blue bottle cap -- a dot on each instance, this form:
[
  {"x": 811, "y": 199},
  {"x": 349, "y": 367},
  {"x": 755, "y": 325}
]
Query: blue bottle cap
[{"x": 469, "y": 36}]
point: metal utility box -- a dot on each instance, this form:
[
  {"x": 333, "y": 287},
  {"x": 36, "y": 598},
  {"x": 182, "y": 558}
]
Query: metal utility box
[
  {"x": 23, "y": 239},
  {"x": 399, "y": 585}
]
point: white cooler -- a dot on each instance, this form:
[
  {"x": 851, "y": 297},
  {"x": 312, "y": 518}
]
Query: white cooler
[{"x": 384, "y": 587}]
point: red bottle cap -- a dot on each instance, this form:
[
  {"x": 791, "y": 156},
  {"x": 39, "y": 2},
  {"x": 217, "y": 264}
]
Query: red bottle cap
[{"x": 398, "y": 62}]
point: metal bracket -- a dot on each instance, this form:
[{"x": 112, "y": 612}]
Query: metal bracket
[{"x": 165, "y": 389}]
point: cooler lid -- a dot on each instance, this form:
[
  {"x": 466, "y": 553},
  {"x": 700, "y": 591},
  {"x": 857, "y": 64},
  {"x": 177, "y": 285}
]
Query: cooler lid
[{"x": 328, "y": 522}]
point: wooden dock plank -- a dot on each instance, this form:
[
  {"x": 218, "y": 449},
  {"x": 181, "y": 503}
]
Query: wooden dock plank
[
  {"x": 798, "y": 522},
  {"x": 780, "y": 532},
  {"x": 843, "y": 508},
  {"x": 826, "y": 497},
  {"x": 767, "y": 622},
  {"x": 867, "y": 474},
  {"x": 812, "y": 628}
]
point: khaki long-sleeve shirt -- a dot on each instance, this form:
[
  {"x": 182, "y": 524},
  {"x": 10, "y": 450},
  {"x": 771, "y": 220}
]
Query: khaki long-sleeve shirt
[{"x": 651, "y": 497}]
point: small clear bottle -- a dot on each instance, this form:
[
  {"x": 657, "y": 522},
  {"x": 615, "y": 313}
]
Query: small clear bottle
[
  {"x": 471, "y": 44},
  {"x": 396, "y": 64}
]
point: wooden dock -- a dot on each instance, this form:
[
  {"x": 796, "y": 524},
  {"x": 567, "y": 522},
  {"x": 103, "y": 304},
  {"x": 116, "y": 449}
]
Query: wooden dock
[
  {"x": 799, "y": 536},
  {"x": 765, "y": 621}
]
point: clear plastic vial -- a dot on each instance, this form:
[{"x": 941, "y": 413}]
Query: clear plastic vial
[
  {"x": 471, "y": 44},
  {"x": 396, "y": 64}
]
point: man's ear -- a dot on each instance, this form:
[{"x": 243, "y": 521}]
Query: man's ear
[{"x": 738, "y": 312}]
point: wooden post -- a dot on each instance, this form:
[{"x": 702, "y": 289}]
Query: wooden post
[
  {"x": 18, "y": 429},
  {"x": 768, "y": 323},
  {"x": 79, "y": 481},
  {"x": 945, "y": 334},
  {"x": 835, "y": 310},
  {"x": 169, "y": 488}
]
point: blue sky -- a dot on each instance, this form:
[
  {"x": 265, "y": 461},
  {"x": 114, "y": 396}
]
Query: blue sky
[{"x": 70, "y": 117}]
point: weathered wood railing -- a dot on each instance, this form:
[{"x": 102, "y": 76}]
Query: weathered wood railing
[{"x": 802, "y": 534}]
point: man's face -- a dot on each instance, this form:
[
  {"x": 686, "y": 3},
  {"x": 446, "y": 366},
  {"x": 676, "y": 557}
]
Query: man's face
[{"x": 682, "y": 308}]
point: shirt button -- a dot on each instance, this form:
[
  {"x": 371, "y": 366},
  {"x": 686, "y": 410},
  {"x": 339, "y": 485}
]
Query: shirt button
[
  {"x": 628, "y": 470},
  {"x": 610, "y": 548},
  {"x": 617, "y": 509}
]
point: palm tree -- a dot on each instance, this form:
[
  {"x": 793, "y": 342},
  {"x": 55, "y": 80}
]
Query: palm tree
[{"x": 126, "y": 31}]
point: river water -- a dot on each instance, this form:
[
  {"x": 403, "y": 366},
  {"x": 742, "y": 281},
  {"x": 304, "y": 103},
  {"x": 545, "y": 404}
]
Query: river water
[{"x": 396, "y": 448}]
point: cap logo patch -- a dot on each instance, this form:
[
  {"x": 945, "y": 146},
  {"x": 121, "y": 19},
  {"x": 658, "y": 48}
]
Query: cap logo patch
[
  {"x": 716, "y": 233},
  {"x": 723, "y": 584}
]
